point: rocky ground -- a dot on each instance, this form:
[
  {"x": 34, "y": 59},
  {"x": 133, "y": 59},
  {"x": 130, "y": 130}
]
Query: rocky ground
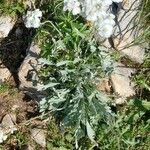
[{"x": 18, "y": 98}]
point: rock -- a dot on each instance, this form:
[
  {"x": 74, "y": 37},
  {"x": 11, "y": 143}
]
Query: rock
[
  {"x": 26, "y": 71},
  {"x": 7, "y": 126},
  {"x": 8, "y": 123},
  {"x": 6, "y": 25},
  {"x": 122, "y": 85},
  {"x": 120, "y": 101},
  {"x": 104, "y": 85},
  {"x": 4, "y": 73},
  {"x": 130, "y": 31},
  {"x": 38, "y": 136},
  {"x": 30, "y": 147},
  {"x": 121, "y": 82},
  {"x": 121, "y": 69},
  {"x": 34, "y": 50},
  {"x": 9, "y": 120},
  {"x": 135, "y": 53},
  {"x": 128, "y": 22}
]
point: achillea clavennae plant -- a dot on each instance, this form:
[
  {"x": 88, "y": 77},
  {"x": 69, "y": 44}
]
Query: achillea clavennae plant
[{"x": 73, "y": 63}]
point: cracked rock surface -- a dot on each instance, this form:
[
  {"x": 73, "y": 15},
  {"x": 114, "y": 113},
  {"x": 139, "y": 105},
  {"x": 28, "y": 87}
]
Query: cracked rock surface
[{"x": 6, "y": 25}]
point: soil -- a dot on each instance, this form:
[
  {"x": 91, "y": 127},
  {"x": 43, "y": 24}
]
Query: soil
[{"x": 14, "y": 101}]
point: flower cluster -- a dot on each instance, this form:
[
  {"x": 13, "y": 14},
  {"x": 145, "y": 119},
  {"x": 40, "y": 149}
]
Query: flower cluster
[
  {"x": 33, "y": 18},
  {"x": 3, "y": 137},
  {"x": 5, "y": 132},
  {"x": 96, "y": 11}
]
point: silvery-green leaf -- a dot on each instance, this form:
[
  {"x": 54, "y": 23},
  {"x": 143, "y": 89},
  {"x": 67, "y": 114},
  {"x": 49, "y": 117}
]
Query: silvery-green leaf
[
  {"x": 92, "y": 95},
  {"x": 78, "y": 32},
  {"x": 61, "y": 63},
  {"x": 90, "y": 132},
  {"x": 44, "y": 87},
  {"x": 92, "y": 48},
  {"x": 76, "y": 60},
  {"x": 44, "y": 61}
]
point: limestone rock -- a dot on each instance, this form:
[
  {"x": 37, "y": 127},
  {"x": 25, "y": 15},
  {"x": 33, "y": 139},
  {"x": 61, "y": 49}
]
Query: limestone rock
[
  {"x": 128, "y": 22},
  {"x": 120, "y": 101},
  {"x": 7, "y": 126},
  {"x": 4, "y": 73},
  {"x": 8, "y": 123},
  {"x": 121, "y": 69},
  {"x": 121, "y": 82},
  {"x": 26, "y": 71},
  {"x": 6, "y": 25},
  {"x": 104, "y": 85},
  {"x": 122, "y": 85},
  {"x": 135, "y": 53},
  {"x": 38, "y": 136},
  {"x": 128, "y": 33}
]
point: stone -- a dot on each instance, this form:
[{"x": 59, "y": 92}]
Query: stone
[
  {"x": 135, "y": 53},
  {"x": 121, "y": 82},
  {"x": 9, "y": 120},
  {"x": 4, "y": 73},
  {"x": 26, "y": 70},
  {"x": 27, "y": 73},
  {"x": 6, "y": 25},
  {"x": 104, "y": 85},
  {"x": 120, "y": 101},
  {"x": 122, "y": 85},
  {"x": 128, "y": 22},
  {"x": 121, "y": 69},
  {"x": 8, "y": 123},
  {"x": 38, "y": 135},
  {"x": 130, "y": 31}
]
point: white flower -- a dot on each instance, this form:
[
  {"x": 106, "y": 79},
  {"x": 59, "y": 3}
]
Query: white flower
[
  {"x": 107, "y": 2},
  {"x": 33, "y": 19},
  {"x": 106, "y": 30},
  {"x": 96, "y": 11},
  {"x": 117, "y": 1},
  {"x": 12, "y": 130},
  {"x": 3, "y": 137},
  {"x": 72, "y": 5}
]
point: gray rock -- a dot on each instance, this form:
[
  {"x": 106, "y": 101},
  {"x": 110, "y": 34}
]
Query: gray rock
[
  {"x": 6, "y": 25},
  {"x": 4, "y": 73},
  {"x": 121, "y": 82},
  {"x": 38, "y": 135},
  {"x": 8, "y": 123},
  {"x": 130, "y": 31},
  {"x": 27, "y": 73},
  {"x": 122, "y": 85},
  {"x": 120, "y": 101},
  {"x": 121, "y": 69},
  {"x": 27, "y": 70},
  {"x": 128, "y": 22}
]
